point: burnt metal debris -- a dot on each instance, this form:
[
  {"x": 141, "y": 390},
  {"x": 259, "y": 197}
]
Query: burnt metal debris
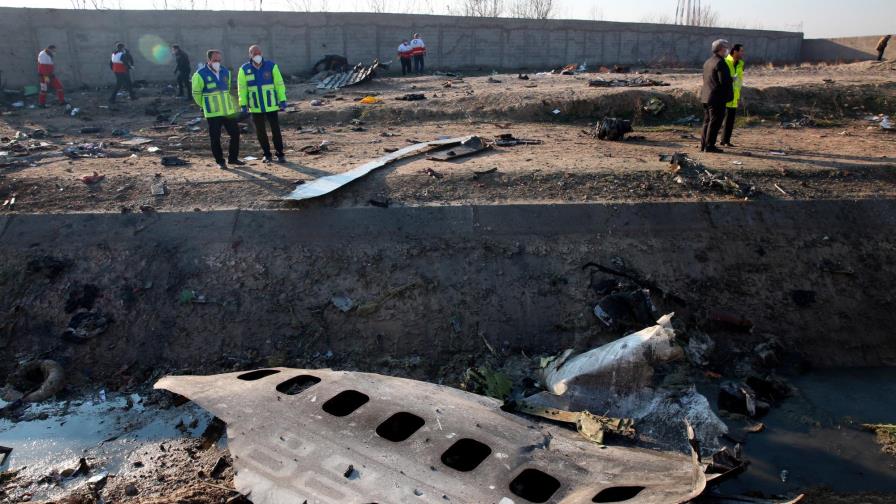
[
  {"x": 360, "y": 73},
  {"x": 293, "y": 433}
]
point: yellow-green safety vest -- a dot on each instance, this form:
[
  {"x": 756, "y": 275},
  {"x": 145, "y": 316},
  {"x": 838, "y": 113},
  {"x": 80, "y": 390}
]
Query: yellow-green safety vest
[
  {"x": 737, "y": 75},
  {"x": 261, "y": 89},
  {"x": 212, "y": 93}
]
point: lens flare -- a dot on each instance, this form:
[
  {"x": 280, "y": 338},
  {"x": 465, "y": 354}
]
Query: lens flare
[{"x": 155, "y": 49}]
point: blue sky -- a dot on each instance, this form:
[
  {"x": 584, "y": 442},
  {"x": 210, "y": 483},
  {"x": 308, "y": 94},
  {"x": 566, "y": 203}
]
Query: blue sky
[{"x": 816, "y": 18}]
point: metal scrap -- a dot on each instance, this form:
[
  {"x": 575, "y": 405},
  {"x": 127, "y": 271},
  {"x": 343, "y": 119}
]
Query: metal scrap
[
  {"x": 357, "y": 75},
  {"x": 688, "y": 171},
  {"x": 639, "y": 81},
  {"x": 467, "y": 147},
  {"x": 330, "y": 183},
  {"x": 293, "y": 433}
]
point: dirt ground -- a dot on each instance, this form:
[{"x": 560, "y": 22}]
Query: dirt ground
[
  {"x": 839, "y": 155},
  {"x": 835, "y": 153}
]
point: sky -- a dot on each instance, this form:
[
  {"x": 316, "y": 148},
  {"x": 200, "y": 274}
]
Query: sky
[{"x": 816, "y": 18}]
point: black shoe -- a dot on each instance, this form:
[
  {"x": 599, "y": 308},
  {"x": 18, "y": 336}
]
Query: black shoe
[
  {"x": 727, "y": 144},
  {"x": 281, "y": 158},
  {"x": 222, "y": 165},
  {"x": 713, "y": 149},
  {"x": 267, "y": 159},
  {"x": 237, "y": 162}
]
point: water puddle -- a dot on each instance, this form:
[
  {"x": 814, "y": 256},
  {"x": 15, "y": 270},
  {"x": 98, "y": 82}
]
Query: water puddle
[
  {"x": 815, "y": 439},
  {"x": 106, "y": 431}
]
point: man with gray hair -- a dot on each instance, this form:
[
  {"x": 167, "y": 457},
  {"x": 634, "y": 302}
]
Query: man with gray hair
[{"x": 718, "y": 89}]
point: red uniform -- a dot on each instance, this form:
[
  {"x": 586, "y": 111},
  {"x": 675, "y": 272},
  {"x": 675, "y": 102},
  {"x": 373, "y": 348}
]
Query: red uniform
[{"x": 45, "y": 72}]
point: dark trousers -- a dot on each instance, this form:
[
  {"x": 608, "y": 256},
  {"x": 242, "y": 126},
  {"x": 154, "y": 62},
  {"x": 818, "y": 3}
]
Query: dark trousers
[
  {"x": 880, "y": 55},
  {"x": 272, "y": 118},
  {"x": 123, "y": 81},
  {"x": 418, "y": 63},
  {"x": 214, "y": 133},
  {"x": 713, "y": 116},
  {"x": 730, "y": 114},
  {"x": 183, "y": 83},
  {"x": 405, "y": 66}
]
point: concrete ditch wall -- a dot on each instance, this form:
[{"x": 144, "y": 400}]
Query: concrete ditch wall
[
  {"x": 843, "y": 49},
  {"x": 85, "y": 40},
  {"x": 430, "y": 284}
]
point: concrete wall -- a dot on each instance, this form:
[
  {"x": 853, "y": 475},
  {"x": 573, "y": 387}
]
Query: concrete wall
[
  {"x": 296, "y": 40},
  {"x": 843, "y": 49}
]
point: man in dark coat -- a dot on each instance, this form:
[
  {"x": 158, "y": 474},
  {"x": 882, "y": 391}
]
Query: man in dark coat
[
  {"x": 182, "y": 70},
  {"x": 882, "y": 46},
  {"x": 718, "y": 89}
]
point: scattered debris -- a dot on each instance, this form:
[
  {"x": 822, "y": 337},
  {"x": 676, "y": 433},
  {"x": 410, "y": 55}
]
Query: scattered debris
[
  {"x": 688, "y": 171},
  {"x": 467, "y": 147},
  {"x": 508, "y": 140},
  {"x": 412, "y": 97},
  {"x": 158, "y": 186},
  {"x": 655, "y": 106},
  {"x": 173, "y": 161},
  {"x": 316, "y": 149},
  {"x": 432, "y": 173},
  {"x": 369, "y": 100},
  {"x": 614, "y": 129},
  {"x": 344, "y": 303},
  {"x": 95, "y": 150},
  {"x": 86, "y": 325},
  {"x": 92, "y": 179},
  {"x": 357, "y": 75},
  {"x": 633, "y": 82}
]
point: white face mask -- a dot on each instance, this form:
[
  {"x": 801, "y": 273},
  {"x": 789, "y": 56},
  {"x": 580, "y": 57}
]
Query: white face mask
[
  {"x": 257, "y": 59},
  {"x": 216, "y": 66}
]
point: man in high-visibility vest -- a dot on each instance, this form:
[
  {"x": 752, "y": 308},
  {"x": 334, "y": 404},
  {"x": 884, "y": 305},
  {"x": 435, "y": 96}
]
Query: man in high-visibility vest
[
  {"x": 735, "y": 61},
  {"x": 46, "y": 72},
  {"x": 418, "y": 51},
  {"x": 263, "y": 93},
  {"x": 121, "y": 64},
  {"x": 211, "y": 91}
]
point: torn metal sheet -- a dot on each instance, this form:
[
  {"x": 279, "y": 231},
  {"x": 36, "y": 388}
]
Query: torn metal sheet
[
  {"x": 617, "y": 380},
  {"x": 470, "y": 146},
  {"x": 354, "y": 76},
  {"x": 294, "y": 435},
  {"x": 330, "y": 183}
]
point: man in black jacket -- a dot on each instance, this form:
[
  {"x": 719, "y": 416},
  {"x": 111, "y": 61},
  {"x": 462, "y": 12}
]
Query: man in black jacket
[
  {"x": 718, "y": 89},
  {"x": 182, "y": 69}
]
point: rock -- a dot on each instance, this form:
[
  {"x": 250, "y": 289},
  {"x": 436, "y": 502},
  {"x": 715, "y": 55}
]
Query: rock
[{"x": 130, "y": 490}]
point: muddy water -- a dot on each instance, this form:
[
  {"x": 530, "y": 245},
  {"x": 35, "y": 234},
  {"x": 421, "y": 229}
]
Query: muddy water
[
  {"x": 817, "y": 438},
  {"x": 107, "y": 431}
]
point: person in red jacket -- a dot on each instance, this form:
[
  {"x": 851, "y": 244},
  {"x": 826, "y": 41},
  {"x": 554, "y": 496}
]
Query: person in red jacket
[
  {"x": 47, "y": 76},
  {"x": 121, "y": 64}
]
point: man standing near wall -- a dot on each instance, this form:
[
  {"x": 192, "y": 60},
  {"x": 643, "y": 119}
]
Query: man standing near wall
[
  {"x": 418, "y": 51},
  {"x": 882, "y": 46},
  {"x": 47, "y": 75},
  {"x": 121, "y": 64},
  {"x": 718, "y": 90},
  {"x": 735, "y": 61},
  {"x": 404, "y": 55},
  {"x": 181, "y": 69},
  {"x": 211, "y": 91},
  {"x": 263, "y": 93}
]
